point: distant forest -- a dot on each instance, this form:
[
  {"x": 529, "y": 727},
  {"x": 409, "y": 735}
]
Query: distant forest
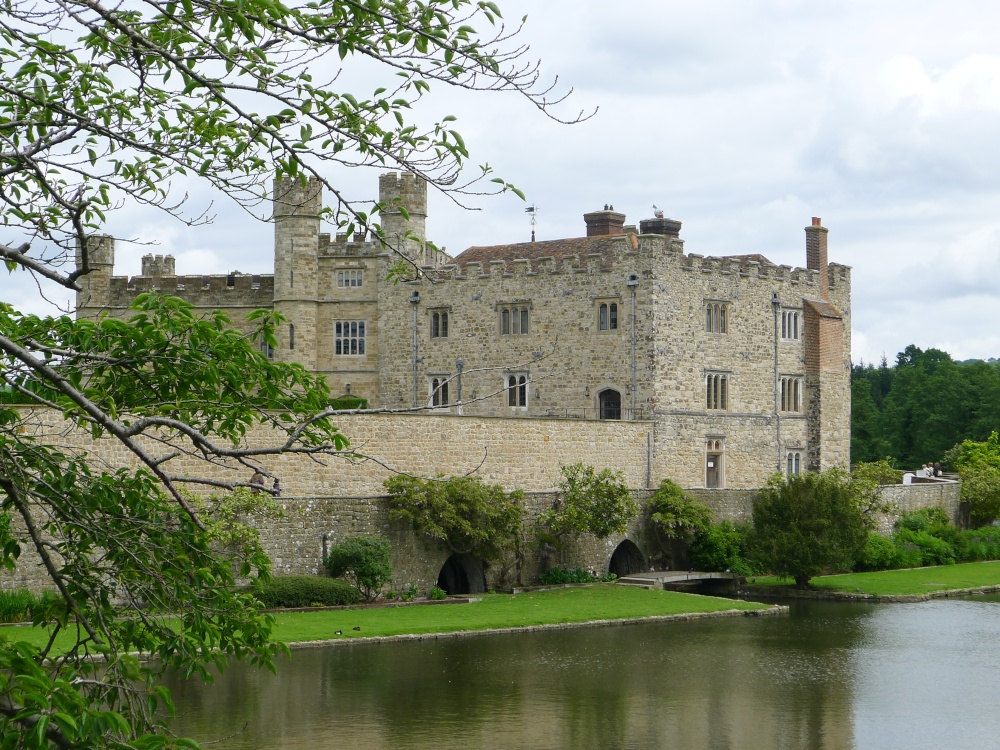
[{"x": 916, "y": 409}]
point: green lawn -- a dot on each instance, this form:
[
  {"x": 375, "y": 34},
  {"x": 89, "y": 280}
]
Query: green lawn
[
  {"x": 576, "y": 604},
  {"x": 904, "y": 582}
]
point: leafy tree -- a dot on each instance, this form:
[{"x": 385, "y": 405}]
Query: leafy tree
[
  {"x": 676, "y": 516},
  {"x": 463, "y": 513},
  {"x": 109, "y": 107},
  {"x": 589, "y": 502},
  {"x": 978, "y": 466},
  {"x": 365, "y": 561},
  {"x": 805, "y": 525}
]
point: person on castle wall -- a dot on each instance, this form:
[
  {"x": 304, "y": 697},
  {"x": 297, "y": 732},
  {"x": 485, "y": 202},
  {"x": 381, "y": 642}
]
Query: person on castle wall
[
  {"x": 256, "y": 482},
  {"x": 276, "y": 488},
  {"x": 923, "y": 471},
  {"x": 937, "y": 470}
]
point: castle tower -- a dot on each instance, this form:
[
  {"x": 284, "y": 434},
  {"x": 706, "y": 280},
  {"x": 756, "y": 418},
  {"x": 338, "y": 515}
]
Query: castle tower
[
  {"x": 409, "y": 192},
  {"x": 297, "y": 209},
  {"x": 95, "y": 294}
]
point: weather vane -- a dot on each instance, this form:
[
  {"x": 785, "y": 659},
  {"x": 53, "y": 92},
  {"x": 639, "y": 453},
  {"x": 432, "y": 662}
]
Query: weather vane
[{"x": 533, "y": 210}]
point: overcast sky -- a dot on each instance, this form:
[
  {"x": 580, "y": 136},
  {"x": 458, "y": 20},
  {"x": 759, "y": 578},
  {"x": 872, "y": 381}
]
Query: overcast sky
[{"x": 742, "y": 119}]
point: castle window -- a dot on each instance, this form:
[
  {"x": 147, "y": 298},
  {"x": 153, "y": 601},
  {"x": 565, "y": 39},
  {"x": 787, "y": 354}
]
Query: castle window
[
  {"x": 610, "y": 404},
  {"x": 231, "y": 280},
  {"x": 439, "y": 324},
  {"x": 717, "y": 317},
  {"x": 514, "y": 320},
  {"x": 790, "y": 325},
  {"x": 516, "y": 386},
  {"x": 791, "y": 393},
  {"x": 438, "y": 387},
  {"x": 291, "y": 336},
  {"x": 607, "y": 316},
  {"x": 349, "y": 278},
  {"x": 717, "y": 391},
  {"x": 715, "y": 455},
  {"x": 266, "y": 349},
  {"x": 349, "y": 337},
  {"x": 794, "y": 462}
]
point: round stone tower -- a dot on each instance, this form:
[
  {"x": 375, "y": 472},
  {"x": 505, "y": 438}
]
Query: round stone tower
[
  {"x": 407, "y": 233},
  {"x": 297, "y": 208},
  {"x": 98, "y": 253}
]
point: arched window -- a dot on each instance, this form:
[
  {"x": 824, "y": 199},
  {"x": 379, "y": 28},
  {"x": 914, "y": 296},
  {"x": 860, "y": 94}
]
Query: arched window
[
  {"x": 439, "y": 391},
  {"x": 717, "y": 391},
  {"x": 716, "y": 317},
  {"x": 517, "y": 391},
  {"x": 610, "y": 402}
]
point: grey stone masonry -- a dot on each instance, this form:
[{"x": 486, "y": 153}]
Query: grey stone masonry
[{"x": 741, "y": 365}]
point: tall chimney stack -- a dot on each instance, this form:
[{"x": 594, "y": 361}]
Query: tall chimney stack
[{"x": 816, "y": 259}]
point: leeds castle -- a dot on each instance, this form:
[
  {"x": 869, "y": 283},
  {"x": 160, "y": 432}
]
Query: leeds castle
[{"x": 737, "y": 366}]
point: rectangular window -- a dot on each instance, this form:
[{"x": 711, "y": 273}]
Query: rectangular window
[
  {"x": 516, "y": 386},
  {"x": 514, "y": 320},
  {"x": 790, "y": 325},
  {"x": 439, "y": 324},
  {"x": 717, "y": 317},
  {"x": 266, "y": 349},
  {"x": 717, "y": 391},
  {"x": 349, "y": 337},
  {"x": 607, "y": 316},
  {"x": 791, "y": 393},
  {"x": 349, "y": 278}
]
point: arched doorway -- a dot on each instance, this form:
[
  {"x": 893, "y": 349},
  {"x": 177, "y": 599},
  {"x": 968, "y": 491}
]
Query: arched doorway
[
  {"x": 610, "y": 402},
  {"x": 462, "y": 574},
  {"x": 627, "y": 559}
]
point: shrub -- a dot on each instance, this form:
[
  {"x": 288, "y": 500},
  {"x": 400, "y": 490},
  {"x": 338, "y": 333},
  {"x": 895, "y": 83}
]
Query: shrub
[
  {"x": 557, "y": 576},
  {"x": 19, "y": 605},
  {"x": 977, "y": 544},
  {"x": 925, "y": 519},
  {"x": 879, "y": 553},
  {"x": 364, "y": 561},
  {"x": 933, "y": 551},
  {"x": 437, "y": 593},
  {"x": 721, "y": 546},
  {"x": 305, "y": 591}
]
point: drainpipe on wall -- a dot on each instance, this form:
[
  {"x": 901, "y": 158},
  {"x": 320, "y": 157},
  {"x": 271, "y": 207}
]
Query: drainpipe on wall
[
  {"x": 459, "y": 364},
  {"x": 633, "y": 282},
  {"x": 776, "y": 304},
  {"x": 415, "y": 300}
]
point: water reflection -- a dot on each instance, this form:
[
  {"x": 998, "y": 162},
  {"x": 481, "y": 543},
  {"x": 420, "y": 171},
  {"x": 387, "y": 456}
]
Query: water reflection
[{"x": 828, "y": 676}]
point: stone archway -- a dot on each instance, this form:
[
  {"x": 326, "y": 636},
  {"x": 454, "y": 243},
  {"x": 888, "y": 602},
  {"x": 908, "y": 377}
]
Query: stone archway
[
  {"x": 627, "y": 559},
  {"x": 462, "y": 574}
]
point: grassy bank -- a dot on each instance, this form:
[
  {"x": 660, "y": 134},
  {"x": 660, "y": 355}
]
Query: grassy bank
[
  {"x": 913, "y": 581},
  {"x": 571, "y": 605},
  {"x": 560, "y": 606}
]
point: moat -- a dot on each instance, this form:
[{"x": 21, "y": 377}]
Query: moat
[{"x": 830, "y": 675}]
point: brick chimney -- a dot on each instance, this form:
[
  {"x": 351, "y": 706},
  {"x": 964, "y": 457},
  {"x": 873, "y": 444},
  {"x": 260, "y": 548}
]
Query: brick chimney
[
  {"x": 816, "y": 258},
  {"x": 604, "y": 222},
  {"x": 666, "y": 227}
]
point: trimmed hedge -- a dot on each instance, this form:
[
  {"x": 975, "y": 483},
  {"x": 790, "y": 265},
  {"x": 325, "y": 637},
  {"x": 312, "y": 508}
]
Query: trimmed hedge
[{"x": 305, "y": 591}]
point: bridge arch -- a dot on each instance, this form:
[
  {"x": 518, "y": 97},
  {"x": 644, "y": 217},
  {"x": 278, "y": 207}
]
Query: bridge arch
[
  {"x": 462, "y": 574},
  {"x": 627, "y": 559}
]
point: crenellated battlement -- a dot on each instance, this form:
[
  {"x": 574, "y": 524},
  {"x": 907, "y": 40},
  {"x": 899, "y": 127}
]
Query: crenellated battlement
[
  {"x": 295, "y": 197},
  {"x": 219, "y": 290}
]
